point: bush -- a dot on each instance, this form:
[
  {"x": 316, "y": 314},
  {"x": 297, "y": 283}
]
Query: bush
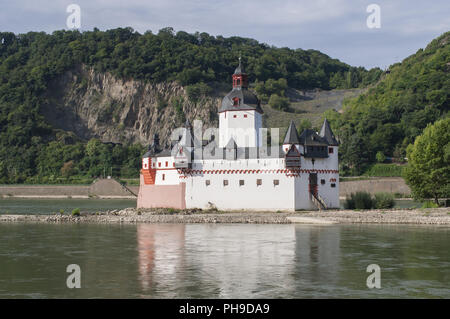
[
  {"x": 349, "y": 202},
  {"x": 76, "y": 212},
  {"x": 278, "y": 102},
  {"x": 380, "y": 157},
  {"x": 359, "y": 200},
  {"x": 384, "y": 200},
  {"x": 429, "y": 204}
]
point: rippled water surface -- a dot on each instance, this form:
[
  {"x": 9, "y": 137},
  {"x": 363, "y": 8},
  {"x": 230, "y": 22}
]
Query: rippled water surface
[{"x": 223, "y": 261}]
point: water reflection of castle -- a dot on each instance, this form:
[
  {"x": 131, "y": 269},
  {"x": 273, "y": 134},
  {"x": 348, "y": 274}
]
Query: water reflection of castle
[{"x": 235, "y": 260}]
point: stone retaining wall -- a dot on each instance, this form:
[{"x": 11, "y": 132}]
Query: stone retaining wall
[
  {"x": 375, "y": 185},
  {"x": 100, "y": 188}
]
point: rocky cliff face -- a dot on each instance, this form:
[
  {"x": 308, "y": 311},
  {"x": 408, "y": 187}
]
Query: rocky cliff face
[{"x": 99, "y": 105}]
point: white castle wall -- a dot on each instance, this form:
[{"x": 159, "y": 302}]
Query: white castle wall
[
  {"x": 166, "y": 173},
  {"x": 266, "y": 196},
  {"x": 291, "y": 193},
  {"x": 242, "y": 126}
]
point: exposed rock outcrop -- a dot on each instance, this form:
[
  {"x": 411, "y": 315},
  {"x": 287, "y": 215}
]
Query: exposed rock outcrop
[{"x": 100, "y": 105}]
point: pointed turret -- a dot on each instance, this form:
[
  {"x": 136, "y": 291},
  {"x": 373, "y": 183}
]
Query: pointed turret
[
  {"x": 327, "y": 133},
  {"x": 239, "y": 69},
  {"x": 291, "y": 135},
  {"x": 240, "y": 78},
  {"x": 187, "y": 138},
  {"x": 231, "y": 150}
]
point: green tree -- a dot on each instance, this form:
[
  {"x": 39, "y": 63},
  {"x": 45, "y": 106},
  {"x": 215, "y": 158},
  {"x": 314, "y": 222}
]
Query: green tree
[
  {"x": 380, "y": 157},
  {"x": 428, "y": 170},
  {"x": 279, "y": 102}
]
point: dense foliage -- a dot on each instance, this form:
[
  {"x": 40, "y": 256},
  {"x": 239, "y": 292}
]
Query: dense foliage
[
  {"x": 428, "y": 170},
  {"x": 32, "y": 151},
  {"x": 363, "y": 200},
  {"x": 386, "y": 170},
  {"x": 389, "y": 116}
]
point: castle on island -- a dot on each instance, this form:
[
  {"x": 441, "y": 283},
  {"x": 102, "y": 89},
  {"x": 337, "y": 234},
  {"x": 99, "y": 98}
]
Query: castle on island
[{"x": 239, "y": 171}]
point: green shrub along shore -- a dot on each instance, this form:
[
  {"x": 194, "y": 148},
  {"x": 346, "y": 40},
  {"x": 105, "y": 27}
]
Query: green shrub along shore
[{"x": 363, "y": 200}]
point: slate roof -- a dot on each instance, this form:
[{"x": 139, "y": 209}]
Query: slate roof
[
  {"x": 310, "y": 137},
  {"x": 241, "y": 153},
  {"x": 248, "y": 101},
  {"x": 327, "y": 133},
  {"x": 239, "y": 69},
  {"x": 291, "y": 136},
  {"x": 231, "y": 144}
]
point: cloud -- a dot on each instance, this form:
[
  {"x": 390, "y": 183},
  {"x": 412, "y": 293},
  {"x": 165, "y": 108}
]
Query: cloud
[{"x": 336, "y": 27}]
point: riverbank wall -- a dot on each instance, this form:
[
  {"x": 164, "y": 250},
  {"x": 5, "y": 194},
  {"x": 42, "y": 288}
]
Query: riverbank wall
[
  {"x": 110, "y": 188},
  {"x": 393, "y": 185},
  {"x": 100, "y": 188}
]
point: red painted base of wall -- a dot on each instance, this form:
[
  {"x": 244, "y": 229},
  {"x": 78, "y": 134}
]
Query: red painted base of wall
[{"x": 168, "y": 196}]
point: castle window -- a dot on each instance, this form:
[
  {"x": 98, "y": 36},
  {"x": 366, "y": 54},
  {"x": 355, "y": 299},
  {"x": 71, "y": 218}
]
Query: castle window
[
  {"x": 276, "y": 182},
  {"x": 245, "y": 115},
  {"x": 330, "y": 150},
  {"x": 173, "y": 164},
  {"x": 235, "y": 101},
  {"x": 241, "y": 182},
  {"x": 322, "y": 181},
  {"x": 238, "y": 81},
  {"x": 167, "y": 163},
  {"x": 225, "y": 182},
  {"x": 164, "y": 177},
  {"x": 207, "y": 182},
  {"x": 333, "y": 185},
  {"x": 258, "y": 182},
  {"x": 234, "y": 116},
  {"x": 159, "y": 164}
]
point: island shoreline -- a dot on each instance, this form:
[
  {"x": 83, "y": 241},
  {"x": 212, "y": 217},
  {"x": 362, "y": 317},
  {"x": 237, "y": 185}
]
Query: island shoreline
[{"x": 432, "y": 216}]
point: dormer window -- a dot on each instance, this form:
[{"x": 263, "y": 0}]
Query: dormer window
[{"x": 235, "y": 101}]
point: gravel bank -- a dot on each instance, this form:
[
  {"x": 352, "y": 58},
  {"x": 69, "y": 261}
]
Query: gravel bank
[{"x": 435, "y": 216}]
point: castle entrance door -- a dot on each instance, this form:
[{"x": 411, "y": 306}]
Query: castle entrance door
[{"x": 313, "y": 184}]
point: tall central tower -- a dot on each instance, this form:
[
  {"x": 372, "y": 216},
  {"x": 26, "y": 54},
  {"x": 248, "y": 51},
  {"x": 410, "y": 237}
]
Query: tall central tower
[{"x": 240, "y": 115}]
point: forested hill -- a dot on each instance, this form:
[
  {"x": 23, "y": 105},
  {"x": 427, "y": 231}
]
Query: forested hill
[
  {"x": 168, "y": 56},
  {"x": 45, "y": 76},
  {"x": 389, "y": 116}
]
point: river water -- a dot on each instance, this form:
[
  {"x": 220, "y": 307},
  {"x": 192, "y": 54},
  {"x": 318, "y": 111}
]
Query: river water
[{"x": 223, "y": 261}]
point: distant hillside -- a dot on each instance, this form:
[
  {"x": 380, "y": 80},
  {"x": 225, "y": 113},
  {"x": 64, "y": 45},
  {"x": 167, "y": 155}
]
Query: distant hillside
[
  {"x": 307, "y": 107},
  {"x": 390, "y": 115},
  {"x": 119, "y": 87}
]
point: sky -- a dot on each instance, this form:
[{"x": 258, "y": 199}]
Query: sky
[{"x": 337, "y": 28}]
